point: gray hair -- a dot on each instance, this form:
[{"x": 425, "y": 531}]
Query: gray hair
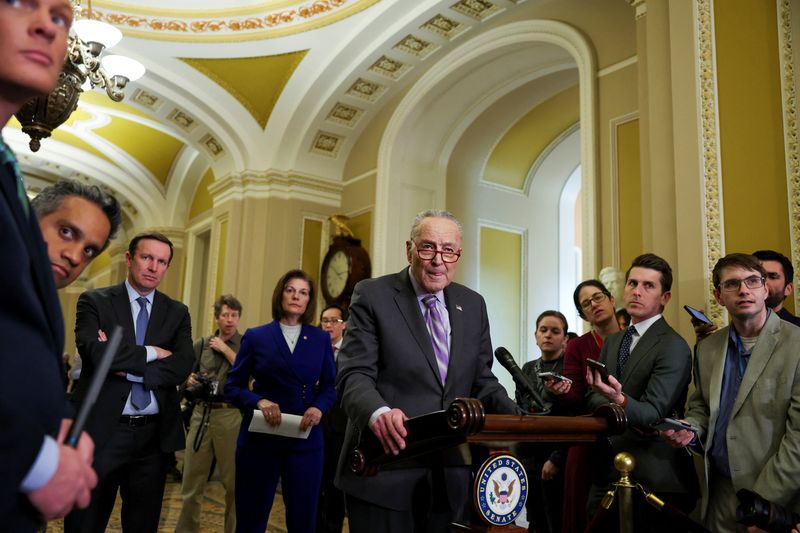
[
  {"x": 49, "y": 200},
  {"x": 432, "y": 213}
]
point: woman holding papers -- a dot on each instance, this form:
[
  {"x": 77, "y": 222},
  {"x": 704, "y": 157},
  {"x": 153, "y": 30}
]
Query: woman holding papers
[{"x": 291, "y": 364}]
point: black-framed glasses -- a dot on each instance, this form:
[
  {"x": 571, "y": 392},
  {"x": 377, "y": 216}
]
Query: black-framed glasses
[
  {"x": 595, "y": 298},
  {"x": 752, "y": 282},
  {"x": 331, "y": 321},
  {"x": 427, "y": 253}
]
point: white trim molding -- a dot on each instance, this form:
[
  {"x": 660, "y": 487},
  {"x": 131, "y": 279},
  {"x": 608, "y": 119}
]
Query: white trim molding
[
  {"x": 613, "y": 125},
  {"x": 790, "y": 133},
  {"x": 713, "y": 215},
  {"x": 394, "y": 153}
]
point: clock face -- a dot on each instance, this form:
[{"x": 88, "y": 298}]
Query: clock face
[{"x": 337, "y": 274}]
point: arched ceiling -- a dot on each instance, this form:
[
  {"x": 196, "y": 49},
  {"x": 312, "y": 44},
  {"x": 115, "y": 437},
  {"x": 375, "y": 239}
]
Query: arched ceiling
[{"x": 286, "y": 85}]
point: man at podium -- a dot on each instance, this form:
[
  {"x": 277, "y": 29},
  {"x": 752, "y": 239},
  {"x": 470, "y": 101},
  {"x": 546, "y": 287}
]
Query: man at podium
[{"x": 415, "y": 342}]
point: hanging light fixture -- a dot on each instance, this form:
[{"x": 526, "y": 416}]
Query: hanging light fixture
[{"x": 85, "y": 68}]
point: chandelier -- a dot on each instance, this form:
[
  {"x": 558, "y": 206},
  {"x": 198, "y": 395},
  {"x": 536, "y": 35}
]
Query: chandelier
[{"x": 84, "y": 68}]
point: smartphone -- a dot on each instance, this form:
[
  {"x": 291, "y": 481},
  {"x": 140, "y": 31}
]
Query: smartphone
[
  {"x": 694, "y": 313},
  {"x": 553, "y": 375},
  {"x": 600, "y": 367},
  {"x": 670, "y": 423}
]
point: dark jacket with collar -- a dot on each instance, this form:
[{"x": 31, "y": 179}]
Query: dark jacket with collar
[
  {"x": 387, "y": 360},
  {"x": 169, "y": 327}
]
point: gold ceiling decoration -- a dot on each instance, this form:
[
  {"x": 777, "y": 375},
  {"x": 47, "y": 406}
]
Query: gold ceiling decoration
[
  {"x": 256, "y": 82},
  {"x": 222, "y": 25}
]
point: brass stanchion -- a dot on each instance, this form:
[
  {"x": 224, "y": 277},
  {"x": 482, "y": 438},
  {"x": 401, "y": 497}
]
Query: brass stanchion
[{"x": 625, "y": 463}]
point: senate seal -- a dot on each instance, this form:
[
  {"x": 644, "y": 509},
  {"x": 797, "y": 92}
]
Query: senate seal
[{"x": 501, "y": 488}]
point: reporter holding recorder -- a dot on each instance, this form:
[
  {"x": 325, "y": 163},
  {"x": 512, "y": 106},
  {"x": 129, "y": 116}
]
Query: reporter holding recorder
[
  {"x": 545, "y": 464},
  {"x": 649, "y": 368}
]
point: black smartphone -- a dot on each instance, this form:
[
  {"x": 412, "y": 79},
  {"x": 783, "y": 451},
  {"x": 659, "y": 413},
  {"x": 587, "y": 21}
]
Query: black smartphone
[
  {"x": 670, "y": 423},
  {"x": 600, "y": 367},
  {"x": 694, "y": 313},
  {"x": 553, "y": 375}
]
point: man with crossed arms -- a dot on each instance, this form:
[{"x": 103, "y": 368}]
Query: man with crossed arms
[{"x": 136, "y": 420}]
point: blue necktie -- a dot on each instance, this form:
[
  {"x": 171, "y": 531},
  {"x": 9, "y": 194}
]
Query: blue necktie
[
  {"x": 140, "y": 397},
  {"x": 625, "y": 350},
  {"x": 7, "y": 158}
]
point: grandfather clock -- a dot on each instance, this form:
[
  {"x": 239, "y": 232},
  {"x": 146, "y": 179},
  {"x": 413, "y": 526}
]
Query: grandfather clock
[{"x": 345, "y": 264}]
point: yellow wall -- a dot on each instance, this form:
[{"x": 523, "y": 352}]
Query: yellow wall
[
  {"x": 202, "y": 200},
  {"x": 311, "y": 261},
  {"x": 515, "y": 154},
  {"x": 154, "y": 150},
  {"x": 501, "y": 285},
  {"x": 100, "y": 262},
  {"x": 608, "y": 25},
  {"x": 629, "y": 181},
  {"x": 222, "y": 252},
  {"x": 362, "y": 229},
  {"x": 751, "y": 127},
  {"x": 617, "y": 97}
]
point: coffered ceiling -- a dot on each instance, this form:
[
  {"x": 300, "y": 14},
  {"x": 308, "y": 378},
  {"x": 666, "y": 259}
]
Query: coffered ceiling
[{"x": 287, "y": 85}]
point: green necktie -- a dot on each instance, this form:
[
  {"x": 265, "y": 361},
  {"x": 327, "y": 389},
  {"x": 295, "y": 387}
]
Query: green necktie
[{"x": 7, "y": 158}]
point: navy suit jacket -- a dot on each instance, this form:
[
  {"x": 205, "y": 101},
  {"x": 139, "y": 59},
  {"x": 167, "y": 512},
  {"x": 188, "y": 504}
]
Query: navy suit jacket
[
  {"x": 32, "y": 378},
  {"x": 169, "y": 328},
  {"x": 295, "y": 381}
]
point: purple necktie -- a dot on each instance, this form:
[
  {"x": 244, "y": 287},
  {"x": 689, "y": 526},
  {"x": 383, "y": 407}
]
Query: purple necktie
[
  {"x": 140, "y": 397},
  {"x": 441, "y": 346}
]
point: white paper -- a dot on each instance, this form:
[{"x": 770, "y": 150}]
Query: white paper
[{"x": 289, "y": 426}]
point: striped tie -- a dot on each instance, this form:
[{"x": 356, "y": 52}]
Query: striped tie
[{"x": 441, "y": 346}]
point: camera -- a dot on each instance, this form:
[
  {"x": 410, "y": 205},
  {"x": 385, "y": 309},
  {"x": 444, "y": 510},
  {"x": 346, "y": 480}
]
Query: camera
[
  {"x": 753, "y": 510},
  {"x": 206, "y": 389}
]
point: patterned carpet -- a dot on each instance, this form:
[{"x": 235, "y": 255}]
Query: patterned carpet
[{"x": 213, "y": 512}]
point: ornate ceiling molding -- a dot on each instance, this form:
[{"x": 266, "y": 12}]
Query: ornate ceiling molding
[
  {"x": 640, "y": 6},
  {"x": 385, "y": 74},
  {"x": 273, "y": 184},
  {"x": 714, "y": 245},
  {"x": 790, "y": 133},
  {"x": 221, "y": 25}
]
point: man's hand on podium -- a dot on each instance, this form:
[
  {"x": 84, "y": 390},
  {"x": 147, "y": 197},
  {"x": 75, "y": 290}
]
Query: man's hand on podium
[{"x": 391, "y": 431}]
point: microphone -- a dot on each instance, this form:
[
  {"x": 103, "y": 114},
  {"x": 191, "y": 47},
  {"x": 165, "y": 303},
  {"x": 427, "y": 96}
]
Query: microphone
[{"x": 505, "y": 358}]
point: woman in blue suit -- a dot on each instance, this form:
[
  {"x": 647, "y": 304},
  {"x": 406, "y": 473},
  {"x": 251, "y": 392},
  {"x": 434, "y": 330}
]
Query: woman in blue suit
[{"x": 291, "y": 363}]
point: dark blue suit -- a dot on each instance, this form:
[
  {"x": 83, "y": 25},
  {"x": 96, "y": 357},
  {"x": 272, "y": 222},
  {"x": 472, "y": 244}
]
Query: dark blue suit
[
  {"x": 32, "y": 401},
  {"x": 295, "y": 381}
]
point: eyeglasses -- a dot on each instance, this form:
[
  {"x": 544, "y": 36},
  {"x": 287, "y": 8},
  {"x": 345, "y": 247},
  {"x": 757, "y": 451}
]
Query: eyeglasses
[
  {"x": 595, "y": 298},
  {"x": 731, "y": 285},
  {"x": 331, "y": 321},
  {"x": 426, "y": 252}
]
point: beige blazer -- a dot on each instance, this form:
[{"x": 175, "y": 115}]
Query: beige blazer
[{"x": 764, "y": 430}]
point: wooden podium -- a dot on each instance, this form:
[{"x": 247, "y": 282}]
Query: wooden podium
[{"x": 466, "y": 422}]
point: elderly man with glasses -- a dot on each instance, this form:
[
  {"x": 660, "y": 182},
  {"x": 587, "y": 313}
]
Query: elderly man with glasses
[
  {"x": 415, "y": 342},
  {"x": 746, "y": 403}
]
